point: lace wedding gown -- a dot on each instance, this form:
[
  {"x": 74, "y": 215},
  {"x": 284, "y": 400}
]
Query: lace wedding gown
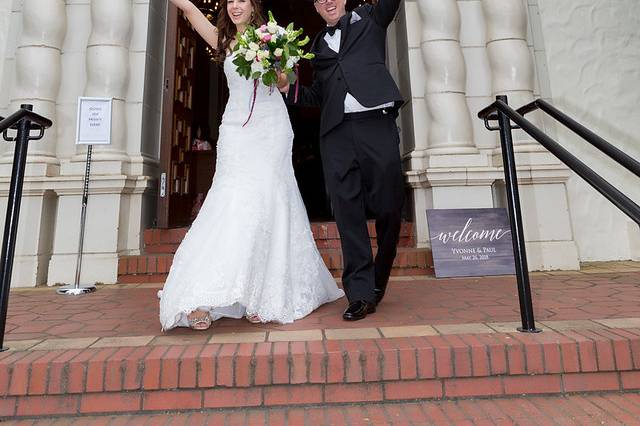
[{"x": 250, "y": 250}]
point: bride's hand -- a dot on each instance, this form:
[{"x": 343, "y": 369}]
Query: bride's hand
[{"x": 283, "y": 83}]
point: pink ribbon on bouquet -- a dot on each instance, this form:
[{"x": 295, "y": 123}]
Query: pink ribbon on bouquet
[
  {"x": 253, "y": 101},
  {"x": 295, "y": 96}
]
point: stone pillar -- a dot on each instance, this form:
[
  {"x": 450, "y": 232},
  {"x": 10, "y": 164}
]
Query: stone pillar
[
  {"x": 37, "y": 82},
  {"x": 542, "y": 178},
  {"x": 38, "y": 70},
  {"x": 451, "y": 131},
  {"x": 110, "y": 206},
  {"x": 473, "y": 40},
  {"x": 108, "y": 72},
  {"x": 511, "y": 60},
  {"x": 451, "y": 177}
]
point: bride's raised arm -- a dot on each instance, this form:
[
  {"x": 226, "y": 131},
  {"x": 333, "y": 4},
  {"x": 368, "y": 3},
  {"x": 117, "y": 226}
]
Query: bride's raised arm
[{"x": 206, "y": 29}]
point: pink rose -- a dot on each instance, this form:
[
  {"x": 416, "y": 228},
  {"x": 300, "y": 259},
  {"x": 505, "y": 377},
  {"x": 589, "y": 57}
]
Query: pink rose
[
  {"x": 263, "y": 28},
  {"x": 266, "y": 38}
]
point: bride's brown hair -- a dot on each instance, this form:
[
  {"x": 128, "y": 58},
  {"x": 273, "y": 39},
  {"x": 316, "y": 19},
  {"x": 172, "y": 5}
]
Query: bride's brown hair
[{"x": 227, "y": 29}]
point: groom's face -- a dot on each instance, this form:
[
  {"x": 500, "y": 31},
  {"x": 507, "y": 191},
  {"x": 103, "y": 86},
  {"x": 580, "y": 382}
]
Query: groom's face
[{"x": 331, "y": 10}]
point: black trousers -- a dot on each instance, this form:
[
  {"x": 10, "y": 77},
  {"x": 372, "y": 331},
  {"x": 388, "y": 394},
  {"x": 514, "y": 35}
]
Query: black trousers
[{"x": 361, "y": 162}]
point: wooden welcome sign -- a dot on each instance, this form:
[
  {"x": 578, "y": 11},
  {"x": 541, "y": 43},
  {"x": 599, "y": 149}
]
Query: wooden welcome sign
[{"x": 470, "y": 242}]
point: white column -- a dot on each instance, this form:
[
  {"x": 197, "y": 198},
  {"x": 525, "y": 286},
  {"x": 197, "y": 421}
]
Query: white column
[
  {"x": 473, "y": 40},
  {"x": 5, "y": 27},
  {"x": 108, "y": 69},
  {"x": 453, "y": 175},
  {"x": 451, "y": 131},
  {"x": 38, "y": 70},
  {"x": 509, "y": 55},
  {"x": 114, "y": 204},
  {"x": 541, "y": 177},
  {"x": 36, "y": 81}
]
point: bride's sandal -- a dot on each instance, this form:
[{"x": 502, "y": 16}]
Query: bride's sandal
[
  {"x": 254, "y": 318},
  {"x": 200, "y": 323}
]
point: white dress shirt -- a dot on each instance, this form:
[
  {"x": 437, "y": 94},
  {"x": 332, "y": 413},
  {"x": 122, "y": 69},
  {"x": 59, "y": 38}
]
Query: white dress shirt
[{"x": 351, "y": 104}]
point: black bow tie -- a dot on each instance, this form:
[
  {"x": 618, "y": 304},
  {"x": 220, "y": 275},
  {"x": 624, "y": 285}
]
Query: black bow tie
[{"x": 331, "y": 30}]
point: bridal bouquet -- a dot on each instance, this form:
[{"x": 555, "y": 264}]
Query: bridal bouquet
[{"x": 263, "y": 53}]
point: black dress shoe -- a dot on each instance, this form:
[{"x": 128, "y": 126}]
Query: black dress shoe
[
  {"x": 378, "y": 294},
  {"x": 379, "y": 291},
  {"x": 358, "y": 310}
]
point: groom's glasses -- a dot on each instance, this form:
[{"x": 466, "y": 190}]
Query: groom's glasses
[{"x": 320, "y": 1}]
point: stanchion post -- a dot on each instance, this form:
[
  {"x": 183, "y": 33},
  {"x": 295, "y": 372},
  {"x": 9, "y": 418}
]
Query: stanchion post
[
  {"x": 76, "y": 289},
  {"x": 515, "y": 219},
  {"x": 11, "y": 220}
]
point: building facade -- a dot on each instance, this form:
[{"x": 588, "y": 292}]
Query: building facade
[{"x": 450, "y": 59}]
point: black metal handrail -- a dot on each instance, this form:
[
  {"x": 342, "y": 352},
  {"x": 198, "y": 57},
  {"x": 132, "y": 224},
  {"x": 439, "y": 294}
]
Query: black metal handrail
[
  {"x": 14, "y": 118},
  {"x": 38, "y": 122},
  {"x": 504, "y": 114},
  {"x": 600, "y": 143},
  {"x": 24, "y": 120},
  {"x": 624, "y": 203}
]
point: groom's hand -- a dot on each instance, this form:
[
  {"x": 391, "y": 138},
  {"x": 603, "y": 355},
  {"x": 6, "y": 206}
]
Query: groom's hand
[{"x": 283, "y": 83}]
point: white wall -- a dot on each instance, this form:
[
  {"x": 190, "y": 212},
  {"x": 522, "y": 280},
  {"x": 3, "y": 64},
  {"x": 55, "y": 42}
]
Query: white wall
[{"x": 593, "y": 55}]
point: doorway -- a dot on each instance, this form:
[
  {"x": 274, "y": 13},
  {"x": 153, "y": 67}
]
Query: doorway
[{"x": 194, "y": 98}]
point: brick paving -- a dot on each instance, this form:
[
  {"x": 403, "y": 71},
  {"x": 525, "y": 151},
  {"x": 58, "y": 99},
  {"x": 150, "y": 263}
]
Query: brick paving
[
  {"x": 600, "y": 291},
  {"x": 588, "y": 409},
  {"x": 280, "y": 374},
  {"x": 431, "y": 340}
]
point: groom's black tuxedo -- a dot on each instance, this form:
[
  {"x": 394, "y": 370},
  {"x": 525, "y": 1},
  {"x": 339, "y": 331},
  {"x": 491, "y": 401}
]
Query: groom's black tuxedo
[
  {"x": 359, "y": 67},
  {"x": 360, "y": 153}
]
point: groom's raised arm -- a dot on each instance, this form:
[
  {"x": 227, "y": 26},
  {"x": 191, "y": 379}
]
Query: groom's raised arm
[{"x": 384, "y": 11}]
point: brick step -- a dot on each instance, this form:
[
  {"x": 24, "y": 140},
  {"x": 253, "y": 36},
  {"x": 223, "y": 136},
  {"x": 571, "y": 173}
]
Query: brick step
[
  {"x": 154, "y": 267},
  {"x": 592, "y": 408},
  {"x": 325, "y": 233},
  {"x": 330, "y": 372}
]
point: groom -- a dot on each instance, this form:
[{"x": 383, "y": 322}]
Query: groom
[{"x": 358, "y": 141}]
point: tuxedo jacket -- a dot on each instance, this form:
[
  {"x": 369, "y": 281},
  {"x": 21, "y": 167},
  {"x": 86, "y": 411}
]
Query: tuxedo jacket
[{"x": 358, "y": 68}]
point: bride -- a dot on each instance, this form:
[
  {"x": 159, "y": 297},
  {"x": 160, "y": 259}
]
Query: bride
[{"x": 250, "y": 252}]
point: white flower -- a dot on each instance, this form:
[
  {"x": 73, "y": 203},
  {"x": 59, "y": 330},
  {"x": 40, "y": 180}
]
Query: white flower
[
  {"x": 278, "y": 52},
  {"x": 250, "y": 55},
  {"x": 253, "y": 46},
  {"x": 292, "y": 61},
  {"x": 242, "y": 50},
  {"x": 272, "y": 27},
  {"x": 259, "y": 34},
  {"x": 257, "y": 67},
  {"x": 263, "y": 54}
]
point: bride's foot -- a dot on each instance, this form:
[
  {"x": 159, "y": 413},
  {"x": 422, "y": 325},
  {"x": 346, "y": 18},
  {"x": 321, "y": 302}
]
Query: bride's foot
[
  {"x": 254, "y": 318},
  {"x": 199, "y": 320}
]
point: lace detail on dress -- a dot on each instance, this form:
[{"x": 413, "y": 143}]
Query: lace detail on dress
[{"x": 250, "y": 250}]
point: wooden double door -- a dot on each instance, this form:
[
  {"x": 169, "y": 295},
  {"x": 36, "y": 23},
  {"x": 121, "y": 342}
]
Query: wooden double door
[
  {"x": 195, "y": 93},
  {"x": 193, "y": 99}
]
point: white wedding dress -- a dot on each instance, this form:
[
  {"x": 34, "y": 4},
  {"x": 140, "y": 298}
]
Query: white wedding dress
[{"x": 250, "y": 250}]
